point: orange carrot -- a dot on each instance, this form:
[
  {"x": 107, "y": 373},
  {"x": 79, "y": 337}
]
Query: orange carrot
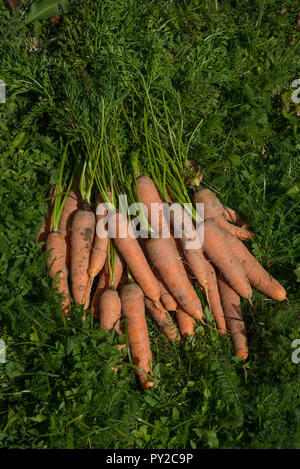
[
  {"x": 165, "y": 258},
  {"x": 190, "y": 243},
  {"x": 213, "y": 297},
  {"x": 149, "y": 196},
  {"x": 82, "y": 235},
  {"x": 133, "y": 311},
  {"x": 71, "y": 205},
  {"x": 195, "y": 261},
  {"x": 147, "y": 193},
  {"x": 163, "y": 320},
  {"x": 133, "y": 255},
  {"x": 185, "y": 323},
  {"x": 166, "y": 298},
  {"x": 234, "y": 217},
  {"x": 100, "y": 246},
  {"x": 105, "y": 282},
  {"x": 257, "y": 275},
  {"x": 215, "y": 210},
  {"x": 217, "y": 250},
  {"x": 233, "y": 313},
  {"x": 94, "y": 306},
  {"x": 57, "y": 264},
  {"x": 110, "y": 310},
  {"x": 110, "y": 314}
]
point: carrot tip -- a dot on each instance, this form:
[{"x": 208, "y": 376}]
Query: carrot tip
[
  {"x": 242, "y": 354},
  {"x": 282, "y": 297},
  {"x": 199, "y": 314},
  {"x": 147, "y": 384},
  {"x": 87, "y": 292},
  {"x": 158, "y": 305}
]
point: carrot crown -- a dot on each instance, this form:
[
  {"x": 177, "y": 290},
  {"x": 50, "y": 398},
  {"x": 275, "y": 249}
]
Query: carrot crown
[
  {"x": 94, "y": 151},
  {"x": 60, "y": 193}
]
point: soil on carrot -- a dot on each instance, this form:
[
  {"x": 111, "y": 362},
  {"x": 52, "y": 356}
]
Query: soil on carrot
[{"x": 231, "y": 65}]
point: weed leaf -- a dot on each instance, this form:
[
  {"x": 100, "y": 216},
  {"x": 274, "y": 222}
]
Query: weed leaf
[{"x": 44, "y": 9}]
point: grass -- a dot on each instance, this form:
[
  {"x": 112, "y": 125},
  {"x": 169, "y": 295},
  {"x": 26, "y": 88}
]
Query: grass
[{"x": 233, "y": 67}]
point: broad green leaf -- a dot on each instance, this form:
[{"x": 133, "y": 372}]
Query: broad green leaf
[
  {"x": 297, "y": 271},
  {"x": 294, "y": 189},
  {"x": 34, "y": 337},
  {"x": 142, "y": 433},
  {"x": 19, "y": 141},
  {"x": 150, "y": 401},
  {"x": 38, "y": 418},
  {"x": 212, "y": 439},
  {"x": 193, "y": 444},
  {"x": 14, "y": 369},
  {"x": 235, "y": 159},
  {"x": 44, "y": 9},
  {"x": 175, "y": 413}
]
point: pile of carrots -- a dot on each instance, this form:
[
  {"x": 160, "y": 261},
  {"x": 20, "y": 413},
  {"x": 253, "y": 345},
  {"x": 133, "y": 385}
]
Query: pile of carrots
[
  {"x": 186, "y": 258},
  {"x": 120, "y": 279}
]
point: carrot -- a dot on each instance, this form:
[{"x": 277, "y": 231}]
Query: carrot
[
  {"x": 57, "y": 264},
  {"x": 234, "y": 217},
  {"x": 185, "y": 323},
  {"x": 105, "y": 282},
  {"x": 71, "y": 205},
  {"x": 110, "y": 310},
  {"x": 110, "y": 314},
  {"x": 99, "y": 249},
  {"x": 213, "y": 298},
  {"x": 84, "y": 221},
  {"x": 56, "y": 242},
  {"x": 217, "y": 250},
  {"x": 147, "y": 193},
  {"x": 257, "y": 275},
  {"x": 241, "y": 233},
  {"x": 133, "y": 255},
  {"x": 94, "y": 306},
  {"x": 82, "y": 235},
  {"x": 163, "y": 320},
  {"x": 233, "y": 313},
  {"x": 215, "y": 210},
  {"x": 166, "y": 298},
  {"x": 190, "y": 243},
  {"x": 133, "y": 311},
  {"x": 165, "y": 258}
]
